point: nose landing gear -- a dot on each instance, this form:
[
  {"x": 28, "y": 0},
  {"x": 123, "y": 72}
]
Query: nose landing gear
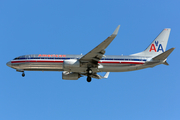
[{"x": 23, "y": 74}]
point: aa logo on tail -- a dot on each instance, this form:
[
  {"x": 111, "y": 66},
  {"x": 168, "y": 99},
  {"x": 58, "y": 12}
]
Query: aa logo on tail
[{"x": 153, "y": 47}]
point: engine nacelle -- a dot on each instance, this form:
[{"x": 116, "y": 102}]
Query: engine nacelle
[
  {"x": 72, "y": 63},
  {"x": 70, "y": 76}
]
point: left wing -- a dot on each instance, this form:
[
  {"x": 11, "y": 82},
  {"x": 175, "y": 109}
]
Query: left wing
[
  {"x": 97, "y": 53},
  {"x": 96, "y": 76}
]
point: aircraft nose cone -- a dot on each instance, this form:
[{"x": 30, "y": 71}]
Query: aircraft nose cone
[{"x": 8, "y": 64}]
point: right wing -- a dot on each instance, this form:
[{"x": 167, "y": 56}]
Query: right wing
[{"x": 97, "y": 53}]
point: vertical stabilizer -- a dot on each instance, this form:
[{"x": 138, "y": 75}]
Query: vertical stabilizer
[{"x": 158, "y": 46}]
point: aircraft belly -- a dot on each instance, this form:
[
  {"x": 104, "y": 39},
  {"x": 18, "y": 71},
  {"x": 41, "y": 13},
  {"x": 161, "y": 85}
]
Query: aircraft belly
[{"x": 39, "y": 66}]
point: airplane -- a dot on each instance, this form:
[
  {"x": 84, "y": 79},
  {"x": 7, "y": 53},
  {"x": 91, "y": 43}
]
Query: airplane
[{"x": 95, "y": 61}]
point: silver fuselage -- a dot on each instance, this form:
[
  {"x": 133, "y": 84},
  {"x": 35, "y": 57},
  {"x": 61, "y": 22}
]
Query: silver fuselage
[{"x": 108, "y": 63}]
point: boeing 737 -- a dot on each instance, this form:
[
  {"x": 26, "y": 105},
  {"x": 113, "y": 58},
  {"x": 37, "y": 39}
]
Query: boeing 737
[{"x": 95, "y": 61}]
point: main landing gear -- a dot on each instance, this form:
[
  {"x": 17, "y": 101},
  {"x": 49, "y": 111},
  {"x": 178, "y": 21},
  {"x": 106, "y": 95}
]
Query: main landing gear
[
  {"x": 89, "y": 72},
  {"x": 23, "y": 74}
]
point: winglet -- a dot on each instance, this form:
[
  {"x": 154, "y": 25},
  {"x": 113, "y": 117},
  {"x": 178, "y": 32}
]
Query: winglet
[
  {"x": 116, "y": 30},
  {"x": 99, "y": 76},
  {"x": 106, "y": 75}
]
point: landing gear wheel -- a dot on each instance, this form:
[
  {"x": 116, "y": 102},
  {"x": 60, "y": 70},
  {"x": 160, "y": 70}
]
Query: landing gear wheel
[
  {"x": 23, "y": 74},
  {"x": 88, "y": 79},
  {"x": 89, "y": 73}
]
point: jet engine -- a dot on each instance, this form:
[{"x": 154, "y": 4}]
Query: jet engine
[
  {"x": 70, "y": 75},
  {"x": 72, "y": 63}
]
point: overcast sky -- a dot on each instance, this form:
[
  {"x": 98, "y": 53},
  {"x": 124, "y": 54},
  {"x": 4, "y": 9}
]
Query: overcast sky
[{"x": 75, "y": 27}]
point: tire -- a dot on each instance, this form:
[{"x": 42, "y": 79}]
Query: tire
[{"x": 88, "y": 79}]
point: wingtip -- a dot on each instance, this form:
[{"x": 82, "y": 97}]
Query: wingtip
[{"x": 116, "y": 30}]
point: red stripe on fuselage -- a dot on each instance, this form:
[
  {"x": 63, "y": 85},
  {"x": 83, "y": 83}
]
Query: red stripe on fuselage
[
  {"x": 109, "y": 62},
  {"x": 36, "y": 61}
]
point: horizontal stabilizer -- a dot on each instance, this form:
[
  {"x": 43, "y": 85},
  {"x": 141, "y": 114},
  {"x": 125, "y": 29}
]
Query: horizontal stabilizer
[
  {"x": 164, "y": 55},
  {"x": 165, "y": 63}
]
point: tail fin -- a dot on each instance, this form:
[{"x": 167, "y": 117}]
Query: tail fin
[{"x": 158, "y": 46}]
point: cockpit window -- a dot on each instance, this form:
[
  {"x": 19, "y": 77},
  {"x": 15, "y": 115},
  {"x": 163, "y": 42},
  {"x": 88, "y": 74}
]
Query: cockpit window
[{"x": 16, "y": 58}]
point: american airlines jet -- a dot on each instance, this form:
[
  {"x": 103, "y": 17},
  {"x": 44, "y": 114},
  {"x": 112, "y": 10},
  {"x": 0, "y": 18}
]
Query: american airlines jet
[{"x": 76, "y": 66}]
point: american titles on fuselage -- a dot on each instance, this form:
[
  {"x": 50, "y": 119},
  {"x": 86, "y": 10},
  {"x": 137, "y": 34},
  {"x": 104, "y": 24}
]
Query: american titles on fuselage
[{"x": 44, "y": 55}]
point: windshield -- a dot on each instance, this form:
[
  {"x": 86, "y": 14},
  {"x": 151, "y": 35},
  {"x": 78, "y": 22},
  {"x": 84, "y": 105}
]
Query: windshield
[{"x": 16, "y": 58}]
